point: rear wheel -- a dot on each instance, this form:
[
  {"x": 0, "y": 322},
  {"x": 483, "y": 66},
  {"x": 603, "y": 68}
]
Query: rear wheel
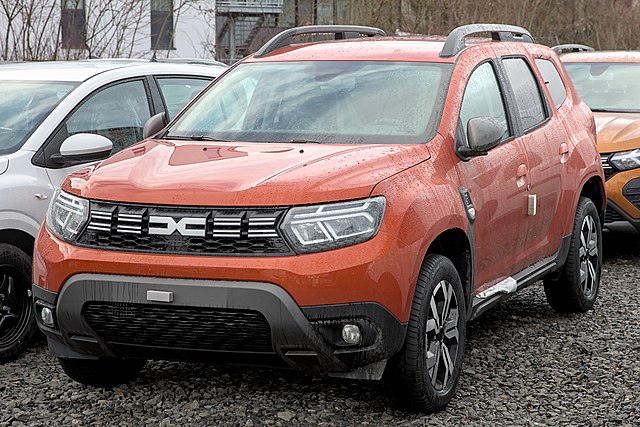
[
  {"x": 427, "y": 370},
  {"x": 103, "y": 372},
  {"x": 18, "y": 327},
  {"x": 576, "y": 289}
]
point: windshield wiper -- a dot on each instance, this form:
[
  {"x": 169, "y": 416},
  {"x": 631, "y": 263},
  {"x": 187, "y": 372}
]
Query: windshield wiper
[
  {"x": 305, "y": 141},
  {"x": 194, "y": 138}
]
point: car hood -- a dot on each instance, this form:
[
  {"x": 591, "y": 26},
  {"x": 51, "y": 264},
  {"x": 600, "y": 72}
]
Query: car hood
[
  {"x": 617, "y": 131},
  {"x": 241, "y": 174}
]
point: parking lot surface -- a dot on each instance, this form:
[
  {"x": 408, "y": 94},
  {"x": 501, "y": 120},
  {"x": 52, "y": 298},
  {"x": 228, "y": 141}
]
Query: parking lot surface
[{"x": 525, "y": 365}]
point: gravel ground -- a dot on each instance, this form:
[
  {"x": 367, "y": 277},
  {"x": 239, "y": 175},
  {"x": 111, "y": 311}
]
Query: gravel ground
[{"x": 524, "y": 365}]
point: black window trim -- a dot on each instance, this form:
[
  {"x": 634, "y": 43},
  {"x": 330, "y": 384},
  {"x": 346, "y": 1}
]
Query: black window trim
[
  {"x": 39, "y": 158},
  {"x": 545, "y": 102}
]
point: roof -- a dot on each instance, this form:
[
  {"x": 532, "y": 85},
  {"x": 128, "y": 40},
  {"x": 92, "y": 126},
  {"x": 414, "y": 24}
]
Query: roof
[
  {"x": 413, "y": 49},
  {"x": 602, "y": 56},
  {"x": 77, "y": 71}
]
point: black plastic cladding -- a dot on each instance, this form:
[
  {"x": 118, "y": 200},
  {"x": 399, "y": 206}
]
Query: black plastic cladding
[{"x": 243, "y": 244}]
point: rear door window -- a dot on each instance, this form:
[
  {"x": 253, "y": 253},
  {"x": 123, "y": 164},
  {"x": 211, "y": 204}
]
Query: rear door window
[
  {"x": 527, "y": 92},
  {"x": 178, "y": 91},
  {"x": 553, "y": 81}
]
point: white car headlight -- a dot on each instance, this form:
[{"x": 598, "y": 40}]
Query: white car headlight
[
  {"x": 626, "y": 160},
  {"x": 67, "y": 215},
  {"x": 333, "y": 225}
]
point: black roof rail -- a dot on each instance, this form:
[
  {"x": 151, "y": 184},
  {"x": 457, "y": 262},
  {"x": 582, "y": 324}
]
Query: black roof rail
[
  {"x": 341, "y": 32},
  {"x": 499, "y": 32},
  {"x": 564, "y": 48}
]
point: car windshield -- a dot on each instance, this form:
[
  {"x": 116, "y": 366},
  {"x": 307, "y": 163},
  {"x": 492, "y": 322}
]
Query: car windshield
[
  {"x": 320, "y": 101},
  {"x": 23, "y": 106},
  {"x": 607, "y": 86}
]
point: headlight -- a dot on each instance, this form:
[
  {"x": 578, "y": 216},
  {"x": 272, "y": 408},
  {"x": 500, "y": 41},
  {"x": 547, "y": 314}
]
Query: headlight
[
  {"x": 334, "y": 225},
  {"x": 67, "y": 215},
  {"x": 626, "y": 160}
]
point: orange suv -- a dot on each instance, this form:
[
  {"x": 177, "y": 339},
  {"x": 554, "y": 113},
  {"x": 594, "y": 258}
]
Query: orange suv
[
  {"x": 608, "y": 82},
  {"x": 344, "y": 206}
]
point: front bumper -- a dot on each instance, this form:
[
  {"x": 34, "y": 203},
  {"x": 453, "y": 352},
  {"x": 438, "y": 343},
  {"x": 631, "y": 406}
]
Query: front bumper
[
  {"x": 214, "y": 320},
  {"x": 623, "y": 198}
]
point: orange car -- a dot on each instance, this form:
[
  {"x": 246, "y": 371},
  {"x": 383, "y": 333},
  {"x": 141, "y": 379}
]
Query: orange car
[
  {"x": 343, "y": 206},
  {"x": 609, "y": 82}
]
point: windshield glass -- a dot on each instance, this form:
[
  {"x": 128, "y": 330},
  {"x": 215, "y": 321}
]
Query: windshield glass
[
  {"x": 23, "y": 106},
  {"x": 607, "y": 86},
  {"x": 320, "y": 101}
]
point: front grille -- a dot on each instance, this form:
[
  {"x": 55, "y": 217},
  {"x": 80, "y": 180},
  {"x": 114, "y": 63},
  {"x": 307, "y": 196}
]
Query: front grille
[
  {"x": 184, "y": 230},
  {"x": 611, "y": 215},
  {"x": 182, "y": 328},
  {"x": 608, "y": 168}
]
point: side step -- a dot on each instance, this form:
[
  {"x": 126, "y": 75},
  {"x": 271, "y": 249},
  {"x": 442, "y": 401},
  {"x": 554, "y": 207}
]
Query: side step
[{"x": 507, "y": 287}]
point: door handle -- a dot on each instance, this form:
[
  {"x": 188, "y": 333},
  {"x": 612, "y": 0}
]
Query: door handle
[
  {"x": 564, "y": 149},
  {"x": 522, "y": 171}
]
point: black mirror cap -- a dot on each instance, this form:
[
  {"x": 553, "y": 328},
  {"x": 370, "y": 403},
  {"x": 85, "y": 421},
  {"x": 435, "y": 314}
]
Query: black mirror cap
[{"x": 154, "y": 125}]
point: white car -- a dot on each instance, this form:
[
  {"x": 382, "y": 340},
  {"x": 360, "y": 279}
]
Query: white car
[{"x": 53, "y": 116}]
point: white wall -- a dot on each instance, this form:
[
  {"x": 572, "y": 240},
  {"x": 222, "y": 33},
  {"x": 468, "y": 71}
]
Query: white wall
[{"x": 115, "y": 28}]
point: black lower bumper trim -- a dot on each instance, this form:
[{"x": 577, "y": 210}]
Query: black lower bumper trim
[{"x": 260, "y": 323}]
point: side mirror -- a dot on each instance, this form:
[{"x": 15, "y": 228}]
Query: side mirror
[
  {"x": 154, "y": 125},
  {"x": 83, "y": 148},
  {"x": 483, "y": 134}
]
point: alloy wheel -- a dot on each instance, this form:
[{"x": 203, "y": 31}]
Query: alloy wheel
[
  {"x": 442, "y": 335},
  {"x": 15, "y": 306},
  {"x": 588, "y": 256}
]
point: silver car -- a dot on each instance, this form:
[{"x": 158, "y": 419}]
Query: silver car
[{"x": 54, "y": 118}]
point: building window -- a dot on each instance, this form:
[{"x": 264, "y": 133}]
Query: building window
[
  {"x": 161, "y": 24},
  {"x": 74, "y": 24}
]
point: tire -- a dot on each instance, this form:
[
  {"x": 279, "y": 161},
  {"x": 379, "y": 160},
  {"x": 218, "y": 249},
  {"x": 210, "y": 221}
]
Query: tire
[
  {"x": 426, "y": 381},
  {"x": 103, "y": 372},
  {"x": 576, "y": 288},
  {"x": 18, "y": 328}
]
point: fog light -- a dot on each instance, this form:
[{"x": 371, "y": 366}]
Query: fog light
[
  {"x": 46, "y": 315},
  {"x": 351, "y": 334}
]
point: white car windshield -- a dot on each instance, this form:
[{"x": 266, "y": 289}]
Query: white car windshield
[
  {"x": 23, "y": 106},
  {"x": 320, "y": 101},
  {"x": 607, "y": 86}
]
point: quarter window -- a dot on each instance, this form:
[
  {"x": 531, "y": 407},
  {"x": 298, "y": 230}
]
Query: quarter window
[
  {"x": 552, "y": 80},
  {"x": 526, "y": 91},
  {"x": 482, "y": 98},
  {"x": 118, "y": 112}
]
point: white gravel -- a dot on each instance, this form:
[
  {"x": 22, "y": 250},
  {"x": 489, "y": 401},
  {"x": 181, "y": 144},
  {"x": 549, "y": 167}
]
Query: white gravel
[{"x": 524, "y": 365}]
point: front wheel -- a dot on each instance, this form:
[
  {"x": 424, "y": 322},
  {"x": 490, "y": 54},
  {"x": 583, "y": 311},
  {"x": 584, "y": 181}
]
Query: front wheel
[
  {"x": 576, "y": 289},
  {"x": 18, "y": 327},
  {"x": 427, "y": 369}
]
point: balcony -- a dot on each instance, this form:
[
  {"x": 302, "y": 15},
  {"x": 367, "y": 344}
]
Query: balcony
[{"x": 249, "y": 7}]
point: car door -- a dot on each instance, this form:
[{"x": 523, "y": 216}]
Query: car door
[
  {"x": 117, "y": 111},
  {"x": 497, "y": 182},
  {"x": 545, "y": 142}
]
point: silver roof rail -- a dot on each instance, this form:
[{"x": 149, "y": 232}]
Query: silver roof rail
[
  {"x": 341, "y": 32},
  {"x": 499, "y": 32},
  {"x": 565, "y": 48}
]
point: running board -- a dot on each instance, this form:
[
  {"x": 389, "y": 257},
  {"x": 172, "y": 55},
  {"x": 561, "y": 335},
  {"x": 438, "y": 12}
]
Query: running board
[{"x": 507, "y": 287}]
